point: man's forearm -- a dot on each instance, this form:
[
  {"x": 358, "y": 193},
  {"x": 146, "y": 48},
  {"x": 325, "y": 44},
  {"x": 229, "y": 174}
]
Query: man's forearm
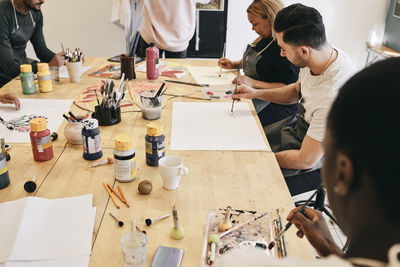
[
  {"x": 284, "y": 95},
  {"x": 291, "y": 159}
]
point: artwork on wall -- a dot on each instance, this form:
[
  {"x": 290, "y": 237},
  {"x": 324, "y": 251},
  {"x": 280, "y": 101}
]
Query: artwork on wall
[{"x": 396, "y": 12}]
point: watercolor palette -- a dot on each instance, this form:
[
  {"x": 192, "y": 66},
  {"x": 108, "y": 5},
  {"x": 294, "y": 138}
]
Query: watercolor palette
[
  {"x": 218, "y": 91},
  {"x": 258, "y": 233}
]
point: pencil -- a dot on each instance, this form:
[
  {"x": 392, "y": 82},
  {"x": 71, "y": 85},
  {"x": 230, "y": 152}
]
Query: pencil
[
  {"x": 112, "y": 198},
  {"x": 123, "y": 197},
  {"x": 115, "y": 193}
]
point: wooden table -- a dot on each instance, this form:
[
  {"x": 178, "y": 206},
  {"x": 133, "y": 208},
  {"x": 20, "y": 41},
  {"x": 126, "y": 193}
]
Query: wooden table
[
  {"x": 243, "y": 180},
  {"x": 379, "y": 52}
]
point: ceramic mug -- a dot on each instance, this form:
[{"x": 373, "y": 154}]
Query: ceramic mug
[{"x": 171, "y": 170}]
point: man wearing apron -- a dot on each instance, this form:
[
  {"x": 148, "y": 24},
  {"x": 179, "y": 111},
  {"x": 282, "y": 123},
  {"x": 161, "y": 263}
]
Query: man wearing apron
[
  {"x": 297, "y": 140},
  {"x": 22, "y": 21}
]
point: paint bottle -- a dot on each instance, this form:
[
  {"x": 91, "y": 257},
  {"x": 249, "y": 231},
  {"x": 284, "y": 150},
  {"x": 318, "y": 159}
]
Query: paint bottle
[
  {"x": 27, "y": 79},
  {"x": 124, "y": 159},
  {"x": 91, "y": 141},
  {"x": 44, "y": 78},
  {"x": 41, "y": 140},
  {"x": 152, "y": 55},
  {"x": 4, "y": 177},
  {"x": 155, "y": 143}
]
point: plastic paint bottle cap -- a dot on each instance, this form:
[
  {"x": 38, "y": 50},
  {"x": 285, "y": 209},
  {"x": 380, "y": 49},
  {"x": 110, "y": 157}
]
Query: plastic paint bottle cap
[
  {"x": 90, "y": 124},
  {"x": 38, "y": 124},
  {"x": 154, "y": 129},
  {"x": 123, "y": 142},
  {"x": 26, "y": 68},
  {"x": 42, "y": 67}
]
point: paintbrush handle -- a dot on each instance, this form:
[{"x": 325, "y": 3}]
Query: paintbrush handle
[{"x": 187, "y": 83}]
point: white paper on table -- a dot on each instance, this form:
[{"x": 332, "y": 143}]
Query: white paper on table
[
  {"x": 63, "y": 71},
  {"x": 81, "y": 261},
  {"x": 49, "y": 229},
  {"x": 210, "y": 75},
  {"x": 211, "y": 126},
  {"x": 52, "y": 109}
]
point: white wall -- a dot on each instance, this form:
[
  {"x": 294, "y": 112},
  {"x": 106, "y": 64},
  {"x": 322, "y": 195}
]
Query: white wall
[
  {"x": 349, "y": 24},
  {"x": 86, "y": 24}
]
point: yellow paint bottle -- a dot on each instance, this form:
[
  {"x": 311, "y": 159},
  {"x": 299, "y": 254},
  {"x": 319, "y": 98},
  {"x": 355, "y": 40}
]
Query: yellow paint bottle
[{"x": 44, "y": 78}]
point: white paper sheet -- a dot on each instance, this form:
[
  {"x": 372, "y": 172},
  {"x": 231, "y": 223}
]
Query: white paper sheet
[
  {"x": 210, "y": 126},
  {"x": 210, "y": 75},
  {"x": 48, "y": 229},
  {"x": 52, "y": 109},
  {"x": 81, "y": 261},
  {"x": 63, "y": 71}
]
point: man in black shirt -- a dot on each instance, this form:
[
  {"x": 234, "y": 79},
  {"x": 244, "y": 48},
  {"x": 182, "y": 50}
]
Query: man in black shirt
[{"x": 22, "y": 21}]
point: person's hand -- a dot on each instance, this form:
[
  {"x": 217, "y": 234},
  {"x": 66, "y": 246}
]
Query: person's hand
[
  {"x": 58, "y": 59},
  {"x": 226, "y": 63},
  {"x": 10, "y": 98},
  {"x": 243, "y": 79},
  {"x": 244, "y": 91},
  {"x": 312, "y": 224}
]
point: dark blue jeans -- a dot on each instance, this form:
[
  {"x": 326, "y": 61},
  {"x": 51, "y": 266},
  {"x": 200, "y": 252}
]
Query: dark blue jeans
[{"x": 275, "y": 112}]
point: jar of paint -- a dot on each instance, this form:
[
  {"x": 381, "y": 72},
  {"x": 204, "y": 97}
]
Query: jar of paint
[
  {"x": 27, "y": 79},
  {"x": 41, "y": 140},
  {"x": 155, "y": 143},
  {"x": 152, "y": 55},
  {"x": 124, "y": 159},
  {"x": 91, "y": 141},
  {"x": 73, "y": 133},
  {"x": 4, "y": 177},
  {"x": 44, "y": 78}
]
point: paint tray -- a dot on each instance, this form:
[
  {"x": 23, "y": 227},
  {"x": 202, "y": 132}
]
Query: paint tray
[{"x": 254, "y": 234}]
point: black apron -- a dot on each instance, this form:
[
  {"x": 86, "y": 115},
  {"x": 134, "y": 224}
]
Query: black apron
[
  {"x": 20, "y": 36},
  {"x": 289, "y": 134},
  {"x": 250, "y": 60}
]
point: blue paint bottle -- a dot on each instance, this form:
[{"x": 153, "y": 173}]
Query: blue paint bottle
[
  {"x": 91, "y": 141},
  {"x": 4, "y": 177},
  {"x": 155, "y": 143}
]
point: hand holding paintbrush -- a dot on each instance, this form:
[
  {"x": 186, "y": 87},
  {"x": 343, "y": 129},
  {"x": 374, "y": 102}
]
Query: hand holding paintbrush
[{"x": 287, "y": 226}]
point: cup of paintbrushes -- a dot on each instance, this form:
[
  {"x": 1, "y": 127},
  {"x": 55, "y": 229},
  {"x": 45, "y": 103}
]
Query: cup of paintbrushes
[
  {"x": 128, "y": 67},
  {"x": 107, "y": 115},
  {"x": 150, "y": 104}
]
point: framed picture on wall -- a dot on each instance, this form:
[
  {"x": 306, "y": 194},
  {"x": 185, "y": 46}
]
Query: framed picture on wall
[{"x": 396, "y": 9}]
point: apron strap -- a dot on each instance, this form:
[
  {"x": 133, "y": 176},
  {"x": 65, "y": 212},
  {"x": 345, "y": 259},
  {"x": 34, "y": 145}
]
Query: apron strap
[{"x": 16, "y": 20}]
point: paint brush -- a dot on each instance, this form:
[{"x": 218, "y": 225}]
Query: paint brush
[
  {"x": 159, "y": 90},
  {"x": 236, "y": 227},
  {"x": 120, "y": 223},
  {"x": 62, "y": 47},
  {"x": 149, "y": 221},
  {"x": 7, "y": 124},
  {"x": 188, "y": 83},
  {"x": 287, "y": 226},
  {"x": 237, "y": 81},
  {"x": 223, "y": 55}
]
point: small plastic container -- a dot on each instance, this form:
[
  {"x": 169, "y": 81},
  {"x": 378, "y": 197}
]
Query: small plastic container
[
  {"x": 27, "y": 79},
  {"x": 91, "y": 140},
  {"x": 40, "y": 140},
  {"x": 4, "y": 176},
  {"x": 124, "y": 159},
  {"x": 44, "y": 78},
  {"x": 155, "y": 143}
]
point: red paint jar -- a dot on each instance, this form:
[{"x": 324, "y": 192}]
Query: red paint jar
[
  {"x": 41, "y": 140},
  {"x": 152, "y": 68}
]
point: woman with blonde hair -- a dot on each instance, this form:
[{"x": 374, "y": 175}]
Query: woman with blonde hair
[{"x": 262, "y": 64}]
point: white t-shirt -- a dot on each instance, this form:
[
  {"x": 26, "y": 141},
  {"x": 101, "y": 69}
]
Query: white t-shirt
[
  {"x": 169, "y": 24},
  {"x": 319, "y": 91}
]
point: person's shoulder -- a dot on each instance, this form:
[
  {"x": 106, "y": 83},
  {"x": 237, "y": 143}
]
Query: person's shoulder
[
  {"x": 5, "y": 6},
  {"x": 343, "y": 62}
]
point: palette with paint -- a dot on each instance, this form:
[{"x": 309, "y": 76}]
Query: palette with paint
[
  {"x": 256, "y": 233},
  {"x": 112, "y": 71},
  {"x": 223, "y": 91}
]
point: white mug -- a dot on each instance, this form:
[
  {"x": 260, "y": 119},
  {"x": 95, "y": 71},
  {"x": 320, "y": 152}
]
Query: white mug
[{"x": 171, "y": 170}]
